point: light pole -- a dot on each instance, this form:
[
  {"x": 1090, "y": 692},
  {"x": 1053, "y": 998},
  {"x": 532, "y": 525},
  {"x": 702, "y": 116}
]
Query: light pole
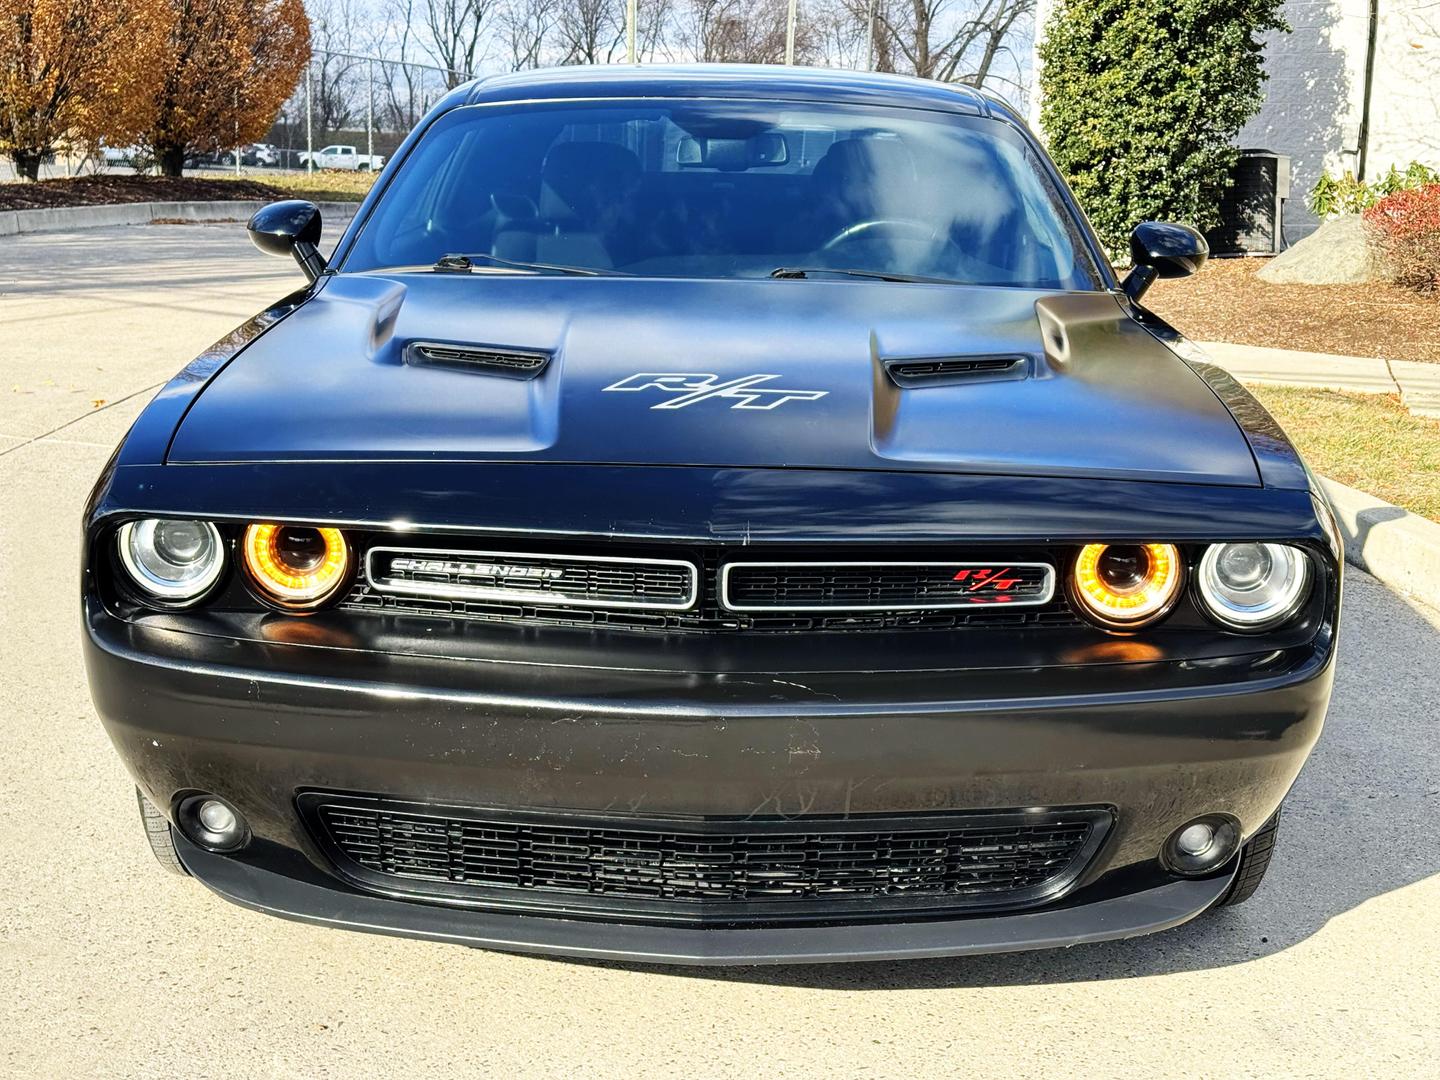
[
  {"x": 630, "y": 15},
  {"x": 870, "y": 37},
  {"x": 790, "y": 34}
]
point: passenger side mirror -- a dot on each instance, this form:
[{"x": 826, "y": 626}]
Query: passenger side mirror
[
  {"x": 1159, "y": 249},
  {"x": 290, "y": 228}
]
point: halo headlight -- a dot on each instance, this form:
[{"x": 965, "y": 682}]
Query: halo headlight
[
  {"x": 295, "y": 566},
  {"x": 1253, "y": 586},
  {"x": 1126, "y": 585},
  {"x": 172, "y": 559}
]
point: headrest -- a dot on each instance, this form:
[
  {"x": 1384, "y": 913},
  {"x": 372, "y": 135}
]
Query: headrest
[{"x": 580, "y": 177}]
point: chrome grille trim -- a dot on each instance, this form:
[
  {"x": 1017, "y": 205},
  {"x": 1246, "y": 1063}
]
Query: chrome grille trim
[
  {"x": 919, "y": 605},
  {"x": 556, "y": 597}
]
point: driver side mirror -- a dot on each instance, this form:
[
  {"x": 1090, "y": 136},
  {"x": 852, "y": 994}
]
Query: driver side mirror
[
  {"x": 1160, "y": 249},
  {"x": 290, "y": 228}
]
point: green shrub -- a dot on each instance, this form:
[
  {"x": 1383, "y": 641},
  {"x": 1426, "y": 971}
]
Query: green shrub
[
  {"x": 1332, "y": 196},
  {"x": 1143, "y": 100}
]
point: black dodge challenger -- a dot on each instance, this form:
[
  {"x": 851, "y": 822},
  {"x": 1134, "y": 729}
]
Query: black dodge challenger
[{"x": 713, "y": 515}]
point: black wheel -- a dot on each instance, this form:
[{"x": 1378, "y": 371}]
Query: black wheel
[
  {"x": 157, "y": 832},
  {"x": 1254, "y": 861}
]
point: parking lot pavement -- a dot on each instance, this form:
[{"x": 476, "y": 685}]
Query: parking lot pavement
[{"x": 112, "y": 969}]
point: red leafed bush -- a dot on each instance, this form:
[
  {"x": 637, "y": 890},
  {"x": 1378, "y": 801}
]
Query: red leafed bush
[{"x": 1403, "y": 230}]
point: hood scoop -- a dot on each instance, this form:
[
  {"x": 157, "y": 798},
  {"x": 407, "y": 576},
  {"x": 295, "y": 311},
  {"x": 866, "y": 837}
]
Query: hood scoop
[
  {"x": 952, "y": 370},
  {"x": 492, "y": 360}
]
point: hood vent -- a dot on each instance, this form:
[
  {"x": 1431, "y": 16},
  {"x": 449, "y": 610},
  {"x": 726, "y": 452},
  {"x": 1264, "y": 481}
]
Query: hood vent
[
  {"x": 511, "y": 363},
  {"x": 949, "y": 370}
]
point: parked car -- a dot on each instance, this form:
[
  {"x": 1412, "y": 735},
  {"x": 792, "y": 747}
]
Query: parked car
[
  {"x": 343, "y": 157},
  {"x": 714, "y": 515},
  {"x": 260, "y": 155}
]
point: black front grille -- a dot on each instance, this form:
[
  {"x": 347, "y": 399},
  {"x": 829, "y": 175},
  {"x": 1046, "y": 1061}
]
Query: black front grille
[
  {"x": 709, "y": 616},
  {"x": 794, "y": 586},
  {"x": 753, "y": 868}
]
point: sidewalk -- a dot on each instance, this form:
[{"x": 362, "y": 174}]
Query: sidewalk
[{"x": 1417, "y": 384}]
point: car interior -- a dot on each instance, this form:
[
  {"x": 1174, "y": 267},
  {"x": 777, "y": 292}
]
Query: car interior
[{"x": 703, "y": 194}]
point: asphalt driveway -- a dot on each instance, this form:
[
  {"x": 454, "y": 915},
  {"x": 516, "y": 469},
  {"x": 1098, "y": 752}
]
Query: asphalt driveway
[{"x": 111, "y": 969}]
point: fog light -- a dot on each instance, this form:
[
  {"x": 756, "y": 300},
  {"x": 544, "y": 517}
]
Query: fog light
[
  {"x": 1193, "y": 839},
  {"x": 212, "y": 823},
  {"x": 219, "y": 818},
  {"x": 1202, "y": 846}
]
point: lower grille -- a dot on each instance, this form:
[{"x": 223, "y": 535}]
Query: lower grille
[{"x": 742, "y": 870}]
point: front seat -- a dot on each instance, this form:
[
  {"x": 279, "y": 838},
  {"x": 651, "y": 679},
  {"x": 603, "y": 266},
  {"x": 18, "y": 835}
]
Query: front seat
[{"x": 586, "y": 209}]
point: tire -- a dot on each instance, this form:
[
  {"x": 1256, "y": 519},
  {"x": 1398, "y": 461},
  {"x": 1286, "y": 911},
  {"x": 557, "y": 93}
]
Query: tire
[
  {"x": 157, "y": 832},
  {"x": 1254, "y": 861}
]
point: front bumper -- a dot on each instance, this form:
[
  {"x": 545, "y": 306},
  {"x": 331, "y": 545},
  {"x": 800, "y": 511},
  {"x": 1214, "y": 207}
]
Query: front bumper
[
  {"x": 304, "y": 894},
  {"x": 260, "y": 722}
]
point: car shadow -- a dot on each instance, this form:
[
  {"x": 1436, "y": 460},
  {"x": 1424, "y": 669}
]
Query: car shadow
[{"x": 1358, "y": 824}]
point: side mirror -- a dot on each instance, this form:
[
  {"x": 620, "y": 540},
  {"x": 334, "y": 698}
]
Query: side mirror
[
  {"x": 1159, "y": 249},
  {"x": 290, "y": 228}
]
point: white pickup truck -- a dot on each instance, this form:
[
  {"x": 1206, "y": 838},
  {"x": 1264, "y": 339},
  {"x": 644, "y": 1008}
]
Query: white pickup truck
[{"x": 344, "y": 157}]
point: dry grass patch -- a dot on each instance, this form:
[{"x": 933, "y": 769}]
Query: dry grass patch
[{"x": 1368, "y": 441}]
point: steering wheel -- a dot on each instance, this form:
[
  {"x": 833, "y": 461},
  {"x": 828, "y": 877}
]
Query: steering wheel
[{"x": 861, "y": 229}]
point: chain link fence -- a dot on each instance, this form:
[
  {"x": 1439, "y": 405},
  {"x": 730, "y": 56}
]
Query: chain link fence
[{"x": 351, "y": 111}]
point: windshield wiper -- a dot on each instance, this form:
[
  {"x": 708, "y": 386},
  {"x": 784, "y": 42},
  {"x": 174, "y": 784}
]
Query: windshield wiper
[
  {"x": 805, "y": 272},
  {"x": 463, "y": 263}
]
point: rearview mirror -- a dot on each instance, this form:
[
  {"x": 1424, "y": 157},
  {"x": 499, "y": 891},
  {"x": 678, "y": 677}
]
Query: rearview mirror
[
  {"x": 291, "y": 227},
  {"x": 1160, "y": 249},
  {"x": 768, "y": 148}
]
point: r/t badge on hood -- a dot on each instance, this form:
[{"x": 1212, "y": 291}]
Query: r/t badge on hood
[{"x": 690, "y": 388}]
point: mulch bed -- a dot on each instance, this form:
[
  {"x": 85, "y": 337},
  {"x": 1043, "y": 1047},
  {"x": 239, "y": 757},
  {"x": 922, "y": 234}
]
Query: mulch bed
[
  {"x": 1226, "y": 302},
  {"x": 110, "y": 189}
]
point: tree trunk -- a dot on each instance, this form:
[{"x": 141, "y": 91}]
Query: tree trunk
[
  {"x": 27, "y": 163},
  {"x": 171, "y": 160}
]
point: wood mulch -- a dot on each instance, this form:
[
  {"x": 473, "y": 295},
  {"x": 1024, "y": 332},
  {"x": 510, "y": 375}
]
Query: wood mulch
[
  {"x": 1227, "y": 302},
  {"x": 108, "y": 189}
]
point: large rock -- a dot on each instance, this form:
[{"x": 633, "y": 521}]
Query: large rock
[{"x": 1334, "y": 254}]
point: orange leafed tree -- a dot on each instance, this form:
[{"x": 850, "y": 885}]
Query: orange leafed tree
[
  {"x": 77, "y": 71},
  {"x": 227, "y": 67}
]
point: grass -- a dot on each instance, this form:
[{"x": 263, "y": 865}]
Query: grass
[
  {"x": 320, "y": 186},
  {"x": 1368, "y": 441}
]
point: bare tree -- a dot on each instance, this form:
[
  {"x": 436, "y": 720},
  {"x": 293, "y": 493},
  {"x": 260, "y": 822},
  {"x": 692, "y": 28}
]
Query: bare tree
[
  {"x": 948, "y": 40},
  {"x": 404, "y": 100},
  {"x": 458, "y": 29},
  {"x": 593, "y": 31},
  {"x": 525, "y": 26},
  {"x": 743, "y": 32},
  {"x": 336, "y": 73},
  {"x": 590, "y": 31}
]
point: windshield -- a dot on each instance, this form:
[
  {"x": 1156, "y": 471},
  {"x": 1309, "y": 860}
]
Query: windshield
[{"x": 723, "y": 189}]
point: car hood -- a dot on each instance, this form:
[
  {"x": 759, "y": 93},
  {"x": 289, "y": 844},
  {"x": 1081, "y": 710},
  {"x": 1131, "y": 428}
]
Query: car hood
[{"x": 721, "y": 373}]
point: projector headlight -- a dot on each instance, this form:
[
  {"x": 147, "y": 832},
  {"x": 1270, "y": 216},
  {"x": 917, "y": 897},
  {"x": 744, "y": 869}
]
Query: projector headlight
[
  {"x": 1253, "y": 586},
  {"x": 1123, "y": 586},
  {"x": 171, "y": 559},
  {"x": 295, "y": 566}
]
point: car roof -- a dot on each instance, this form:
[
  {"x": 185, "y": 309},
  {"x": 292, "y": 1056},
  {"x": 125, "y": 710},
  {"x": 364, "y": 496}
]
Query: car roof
[{"x": 735, "y": 81}]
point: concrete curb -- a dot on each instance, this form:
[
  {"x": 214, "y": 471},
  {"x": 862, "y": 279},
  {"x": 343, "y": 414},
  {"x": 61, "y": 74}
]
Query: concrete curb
[
  {"x": 66, "y": 218},
  {"x": 1417, "y": 384},
  {"x": 1397, "y": 547}
]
